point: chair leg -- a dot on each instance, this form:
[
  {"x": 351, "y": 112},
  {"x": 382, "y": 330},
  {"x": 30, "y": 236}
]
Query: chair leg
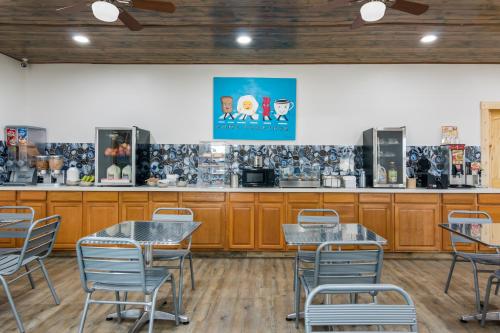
[
  {"x": 476, "y": 287},
  {"x": 12, "y": 305},
  {"x": 30, "y": 278},
  {"x": 297, "y": 305},
  {"x": 176, "y": 307},
  {"x": 84, "y": 313},
  {"x": 118, "y": 307},
  {"x": 51, "y": 287},
  {"x": 296, "y": 271},
  {"x": 125, "y": 298},
  {"x": 486, "y": 300},
  {"x": 191, "y": 269},
  {"x": 181, "y": 282},
  {"x": 152, "y": 311},
  {"x": 497, "y": 288},
  {"x": 452, "y": 267}
]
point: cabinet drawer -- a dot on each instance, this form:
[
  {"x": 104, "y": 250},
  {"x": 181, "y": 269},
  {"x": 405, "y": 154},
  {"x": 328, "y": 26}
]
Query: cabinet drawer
[
  {"x": 31, "y": 195},
  {"x": 241, "y": 197},
  {"x": 7, "y": 195},
  {"x": 492, "y": 199},
  {"x": 100, "y": 196},
  {"x": 303, "y": 197},
  {"x": 339, "y": 197},
  {"x": 64, "y": 196},
  {"x": 462, "y": 198},
  {"x": 203, "y": 197},
  {"x": 417, "y": 198},
  {"x": 270, "y": 197},
  {"x": 134, "y": 196},
  {"x": 164, "y": 196},
  {"x": 375, "y": 198}
]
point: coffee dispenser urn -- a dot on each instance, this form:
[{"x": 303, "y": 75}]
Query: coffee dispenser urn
[{"x": 457, "y": 167}]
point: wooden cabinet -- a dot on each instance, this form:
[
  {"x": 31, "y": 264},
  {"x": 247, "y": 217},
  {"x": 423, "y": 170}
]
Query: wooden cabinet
[
  {"x": 241, "y": 226},
  {"x": 7, "y": 198},
  {"x": 134, "y": 206},
  {"x": 36, "y": 200},
  {"x": 456, "y": 202},
  {"x": 210, "y": 210},
  {"x": 70, "y": 207},
  {"x": 100, "y": 210},
  {"x": 298, "y": 201},
  {"x": 270, "y": 218},
  {"x": 416, "y": 227},
  {"x": 377, "y": 217},
  {"x": 344, "y": 203}
]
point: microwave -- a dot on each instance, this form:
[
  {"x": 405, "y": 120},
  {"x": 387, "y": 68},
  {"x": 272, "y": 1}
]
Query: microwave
[{"x": 260, "y": 177}]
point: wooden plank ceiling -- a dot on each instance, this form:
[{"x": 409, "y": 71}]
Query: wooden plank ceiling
[{"x": 284, "y": 31}]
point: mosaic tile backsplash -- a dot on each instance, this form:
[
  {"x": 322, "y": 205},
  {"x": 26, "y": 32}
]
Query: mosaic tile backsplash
[{"x": 182, "y": 159}]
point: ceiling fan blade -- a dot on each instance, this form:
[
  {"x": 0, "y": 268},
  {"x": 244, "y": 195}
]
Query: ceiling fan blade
[
  {"x": 358, "y": 22},
  {"x": 160, "y": 6},
  {"x": 410, "y": 7},
  {"x": 74, "y": 8},
  {"x": 129, "y": 21}
]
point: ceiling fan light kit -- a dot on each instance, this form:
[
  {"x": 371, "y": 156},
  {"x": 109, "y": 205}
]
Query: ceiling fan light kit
[
  {"x": 105, "y": 11},
  {"x": 373, "y": 11}
]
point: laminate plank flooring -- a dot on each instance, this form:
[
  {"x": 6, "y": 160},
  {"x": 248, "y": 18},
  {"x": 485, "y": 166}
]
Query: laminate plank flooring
[{"x": 242, "y": 295}]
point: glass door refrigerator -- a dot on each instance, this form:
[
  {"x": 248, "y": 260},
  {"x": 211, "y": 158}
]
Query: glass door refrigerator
[
  {"x": 384, "y": 157},
  {"x": 122, "y": 156}
]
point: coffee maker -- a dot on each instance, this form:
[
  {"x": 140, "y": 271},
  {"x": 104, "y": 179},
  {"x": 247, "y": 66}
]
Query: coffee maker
[
  {"x": 24, "y": 143},
  {"x": 457, "y": 172}
]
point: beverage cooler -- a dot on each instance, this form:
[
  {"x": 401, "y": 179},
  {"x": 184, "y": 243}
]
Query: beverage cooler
[
  {"x": 122, "y": 156},
  {"x": 384, "y": 157}
]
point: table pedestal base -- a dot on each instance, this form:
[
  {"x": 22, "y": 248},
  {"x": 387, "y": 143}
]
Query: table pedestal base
[
  {"x": 490, "y": 316},
  {"x": 142, "y": 317}
]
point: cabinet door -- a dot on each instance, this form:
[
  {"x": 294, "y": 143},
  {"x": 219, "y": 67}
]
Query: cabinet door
[
  {"x": 416, "y": 227},
  {"x": 100, "y": 215},
  {"x": 347, "y": 212},
  {"x": 377, "y": 217},
  {"x": 211, "y": 233},
  {"x": 40, "y": 208},
  {"x": 134, "y": 211},
  {"x": 71, "y": 227},
  {"x": 155, "y": 205},
  {"x": 270, "y": 217},
  {"x": 241, "y": 227},
  {"x": 446, "y": 234},
  {"x": 7, "y": 242}
]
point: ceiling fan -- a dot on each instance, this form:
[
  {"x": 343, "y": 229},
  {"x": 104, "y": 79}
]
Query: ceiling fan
[
  {"x": 374, "y": 10},
  {"x": 112, "y": 10}
]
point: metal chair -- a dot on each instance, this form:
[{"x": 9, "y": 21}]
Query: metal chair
[
  {"x": 305, "y": 220},
  {"x": 493, "y": 279},
  {"x": 184, "y": 215},
  {"x": 38, "y": 245},
  {"x": 360, "y": 314},
  {"x": 470, "y": 217},
  {"x": 119, "y": 269},
  {"x": 24, "y": 213},
  {"x": 341, "y": 267}
]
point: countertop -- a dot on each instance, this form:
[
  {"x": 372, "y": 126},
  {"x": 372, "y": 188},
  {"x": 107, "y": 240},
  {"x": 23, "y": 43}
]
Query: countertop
[{"x": 242, "y": 189}]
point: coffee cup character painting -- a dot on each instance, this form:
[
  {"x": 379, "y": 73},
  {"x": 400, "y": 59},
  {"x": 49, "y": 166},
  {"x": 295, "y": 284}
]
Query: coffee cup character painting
[{"x": 254, "y": 108}]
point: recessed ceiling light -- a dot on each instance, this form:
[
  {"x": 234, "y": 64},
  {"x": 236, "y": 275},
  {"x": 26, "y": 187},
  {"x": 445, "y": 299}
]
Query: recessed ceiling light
[
  {"x": 81, "y": 39},
  {"x": 244, "y": 40},
  {"x": 427, "y": 39}
]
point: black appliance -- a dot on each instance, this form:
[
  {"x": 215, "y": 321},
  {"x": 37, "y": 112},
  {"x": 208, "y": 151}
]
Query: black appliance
[
  {"x": 437, "y": 182},
  {"x": 422, "y": 172},
  {"x": 257, "y": 177}
]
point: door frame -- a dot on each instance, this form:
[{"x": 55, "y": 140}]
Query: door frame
[{"x": 486, "y": 109}]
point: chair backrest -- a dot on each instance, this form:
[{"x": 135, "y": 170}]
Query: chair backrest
[
  {"x": 360, "y": 314},
  {"x": 100, "y": 262},
  {"x": 40, "y": 239},
  {"x": 165, "y": 214},
  {"x": 466, "y": 217},
  {"x": 348, "y": 267},
  {"x": 24, "y": 213},
  {"x": 328, "y": 217}
]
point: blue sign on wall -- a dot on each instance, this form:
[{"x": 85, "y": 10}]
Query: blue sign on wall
[{"x": 254, "y": 108}]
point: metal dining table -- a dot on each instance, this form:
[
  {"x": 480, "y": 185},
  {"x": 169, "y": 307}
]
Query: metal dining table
[
  {"x": 149, "y": 234},
  {"x": 342, "y": 233},
  {"x": 487, "y": 234}
]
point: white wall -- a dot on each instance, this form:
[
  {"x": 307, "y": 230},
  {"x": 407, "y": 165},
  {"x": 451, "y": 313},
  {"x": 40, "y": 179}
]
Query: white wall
[
  {"x": 335, "y": 102},
  {"x": 12, "y": 96}
]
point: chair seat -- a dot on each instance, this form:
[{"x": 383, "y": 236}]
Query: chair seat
[
  {"x": 154, "y": 278},
  {"x": 169, "y": 254},
  {"x": 481, "y": 258},
  {"x": 8, "y": 264}
]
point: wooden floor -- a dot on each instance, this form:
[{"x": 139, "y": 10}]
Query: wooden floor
[{"x": 242, "y": 295}]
